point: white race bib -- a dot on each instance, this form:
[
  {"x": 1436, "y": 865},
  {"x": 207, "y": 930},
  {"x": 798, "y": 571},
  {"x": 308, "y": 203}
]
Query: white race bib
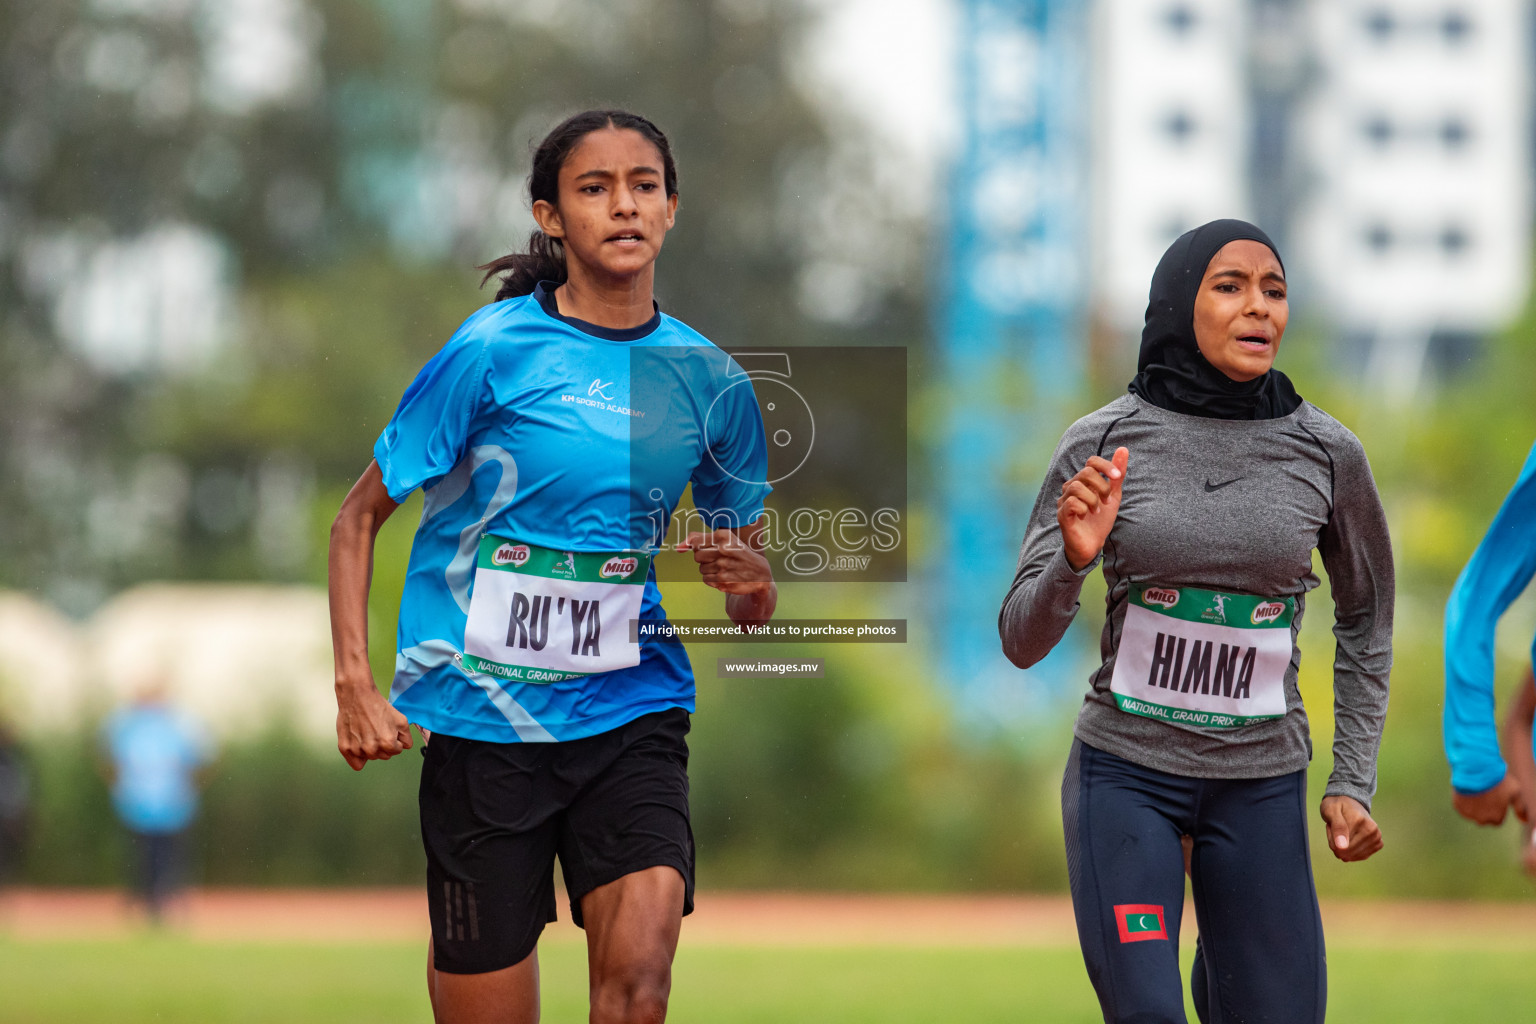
[
  {"x": 1202, "y": 657},
  {"x": 539, "y": 615}
]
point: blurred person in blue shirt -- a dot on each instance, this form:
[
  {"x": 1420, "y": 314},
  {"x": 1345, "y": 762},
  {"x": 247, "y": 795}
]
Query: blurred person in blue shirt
[{"x": 155, "y": 753}]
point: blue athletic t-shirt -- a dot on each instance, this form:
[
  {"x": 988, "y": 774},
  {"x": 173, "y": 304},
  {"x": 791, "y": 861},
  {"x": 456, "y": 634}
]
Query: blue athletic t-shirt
[{"x": 549, "y": 431}]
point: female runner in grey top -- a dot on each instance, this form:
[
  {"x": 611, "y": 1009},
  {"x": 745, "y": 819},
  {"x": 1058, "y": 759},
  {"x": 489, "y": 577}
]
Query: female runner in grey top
[{"x": 1203, "y": 493}]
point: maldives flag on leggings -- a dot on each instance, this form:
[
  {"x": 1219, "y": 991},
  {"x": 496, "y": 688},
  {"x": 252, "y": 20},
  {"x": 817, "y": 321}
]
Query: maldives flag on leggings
[{"x": 1140, "y": 921}]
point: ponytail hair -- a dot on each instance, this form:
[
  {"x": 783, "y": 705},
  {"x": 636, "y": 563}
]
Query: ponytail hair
[
  {"x": 521, "y": 272},
  {"x": 544, "y": 259}
]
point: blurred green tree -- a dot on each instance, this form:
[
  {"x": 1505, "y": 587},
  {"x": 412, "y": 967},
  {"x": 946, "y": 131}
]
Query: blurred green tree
[{"x": 235, "y": 231}]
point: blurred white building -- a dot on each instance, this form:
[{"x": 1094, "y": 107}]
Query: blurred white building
[
  {"x": 1388, "y": 141},
  {"x": 1416, "y": 137},
  {"x": 238, "y": 658},
  {"x": 41, "y": 678},
  {"x": 1170, "y": 136}
]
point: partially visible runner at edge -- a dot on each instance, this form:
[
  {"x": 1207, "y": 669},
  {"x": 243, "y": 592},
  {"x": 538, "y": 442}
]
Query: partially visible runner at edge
[
  {"x": 552, "y": 437},
  {"x": 1204, "y": 492},
  {"x": 1497, "y": 573}
]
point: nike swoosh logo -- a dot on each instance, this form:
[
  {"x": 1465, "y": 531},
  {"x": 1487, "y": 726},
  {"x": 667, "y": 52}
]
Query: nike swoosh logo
[{"x": 1209, "y": 487}]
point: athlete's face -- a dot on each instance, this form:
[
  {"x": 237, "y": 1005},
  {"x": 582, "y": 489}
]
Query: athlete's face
[
  {"x": 614, "y": 209},
  {"x": 1241, "y": 310}
]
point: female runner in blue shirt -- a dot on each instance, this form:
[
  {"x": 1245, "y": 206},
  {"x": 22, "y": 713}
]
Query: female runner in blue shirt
[{"x": 552, "y": 436}]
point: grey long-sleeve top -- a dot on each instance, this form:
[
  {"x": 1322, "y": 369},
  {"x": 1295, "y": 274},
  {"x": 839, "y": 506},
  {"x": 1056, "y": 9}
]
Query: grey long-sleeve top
[{"x": 1233, "y": 507}]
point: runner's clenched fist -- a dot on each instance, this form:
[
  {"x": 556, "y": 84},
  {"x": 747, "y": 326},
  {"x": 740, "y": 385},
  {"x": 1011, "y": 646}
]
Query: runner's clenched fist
[
  {"x": 1352, "y": 833},
  {"x": 729, "y": 563},
  {"x": 1088, "y": 505}
]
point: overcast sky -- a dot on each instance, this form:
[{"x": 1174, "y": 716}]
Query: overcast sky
[{"x": 893, "y": 60}]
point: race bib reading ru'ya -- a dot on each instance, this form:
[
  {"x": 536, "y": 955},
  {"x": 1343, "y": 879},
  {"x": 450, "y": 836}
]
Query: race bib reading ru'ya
[
  {"x": 1203, "y": 658},
  {"x": 541, "y": 616}
]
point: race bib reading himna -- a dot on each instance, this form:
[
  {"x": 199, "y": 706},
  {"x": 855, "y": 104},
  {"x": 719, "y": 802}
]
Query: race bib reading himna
[{"x": 1202, "y": 657}]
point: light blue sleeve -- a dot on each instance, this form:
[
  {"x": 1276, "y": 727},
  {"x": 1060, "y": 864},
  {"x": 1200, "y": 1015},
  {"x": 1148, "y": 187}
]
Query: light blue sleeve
[
  {"x": 1500, "y": 568},
  {"x": 429, "y": 431},
  {"x": 730, "y": 482}
]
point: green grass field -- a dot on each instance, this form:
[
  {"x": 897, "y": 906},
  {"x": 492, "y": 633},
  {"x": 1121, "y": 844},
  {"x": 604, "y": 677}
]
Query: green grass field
[{"x": 165, "y": 978}]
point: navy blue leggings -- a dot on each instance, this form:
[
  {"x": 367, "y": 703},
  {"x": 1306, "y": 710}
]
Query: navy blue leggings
[{"x": 1260, "y": 955}]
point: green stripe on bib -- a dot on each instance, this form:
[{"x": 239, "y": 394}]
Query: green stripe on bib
[
  {"x": 1240, "y": 611},
  {"x": 504, "y": 555},
  {"x": 518, "y": 673},
  {"x": 1188, "y": 716}
]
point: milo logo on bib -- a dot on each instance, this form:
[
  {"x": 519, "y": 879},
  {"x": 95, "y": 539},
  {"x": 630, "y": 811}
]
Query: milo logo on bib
[
  {"x": 619, "y": 567},
  {"x": 538, "y": 615},
  {"x": 1201, "y": 657},
  {"x": 1267, "y": 612},
  {"x": 511, "y": 554}
]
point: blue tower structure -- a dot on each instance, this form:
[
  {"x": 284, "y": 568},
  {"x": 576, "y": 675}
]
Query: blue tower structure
[{"x": 1011, "y": 329}]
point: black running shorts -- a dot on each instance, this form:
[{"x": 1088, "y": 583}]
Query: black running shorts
[{"x": 495, "y": 815}]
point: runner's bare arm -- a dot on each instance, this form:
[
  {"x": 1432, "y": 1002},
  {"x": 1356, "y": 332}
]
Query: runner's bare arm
[
  {"x": 1522, "y": 762},
  {"x": 1490, "y": 806},
  {"x": 1517, "y": 743},
  {"x": 367, "y": 727},
  {"x": 732, "y": 562}
]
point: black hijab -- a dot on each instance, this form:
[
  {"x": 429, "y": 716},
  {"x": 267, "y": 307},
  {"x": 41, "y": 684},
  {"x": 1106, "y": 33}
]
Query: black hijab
[{"x": 1171, "y": 371}]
